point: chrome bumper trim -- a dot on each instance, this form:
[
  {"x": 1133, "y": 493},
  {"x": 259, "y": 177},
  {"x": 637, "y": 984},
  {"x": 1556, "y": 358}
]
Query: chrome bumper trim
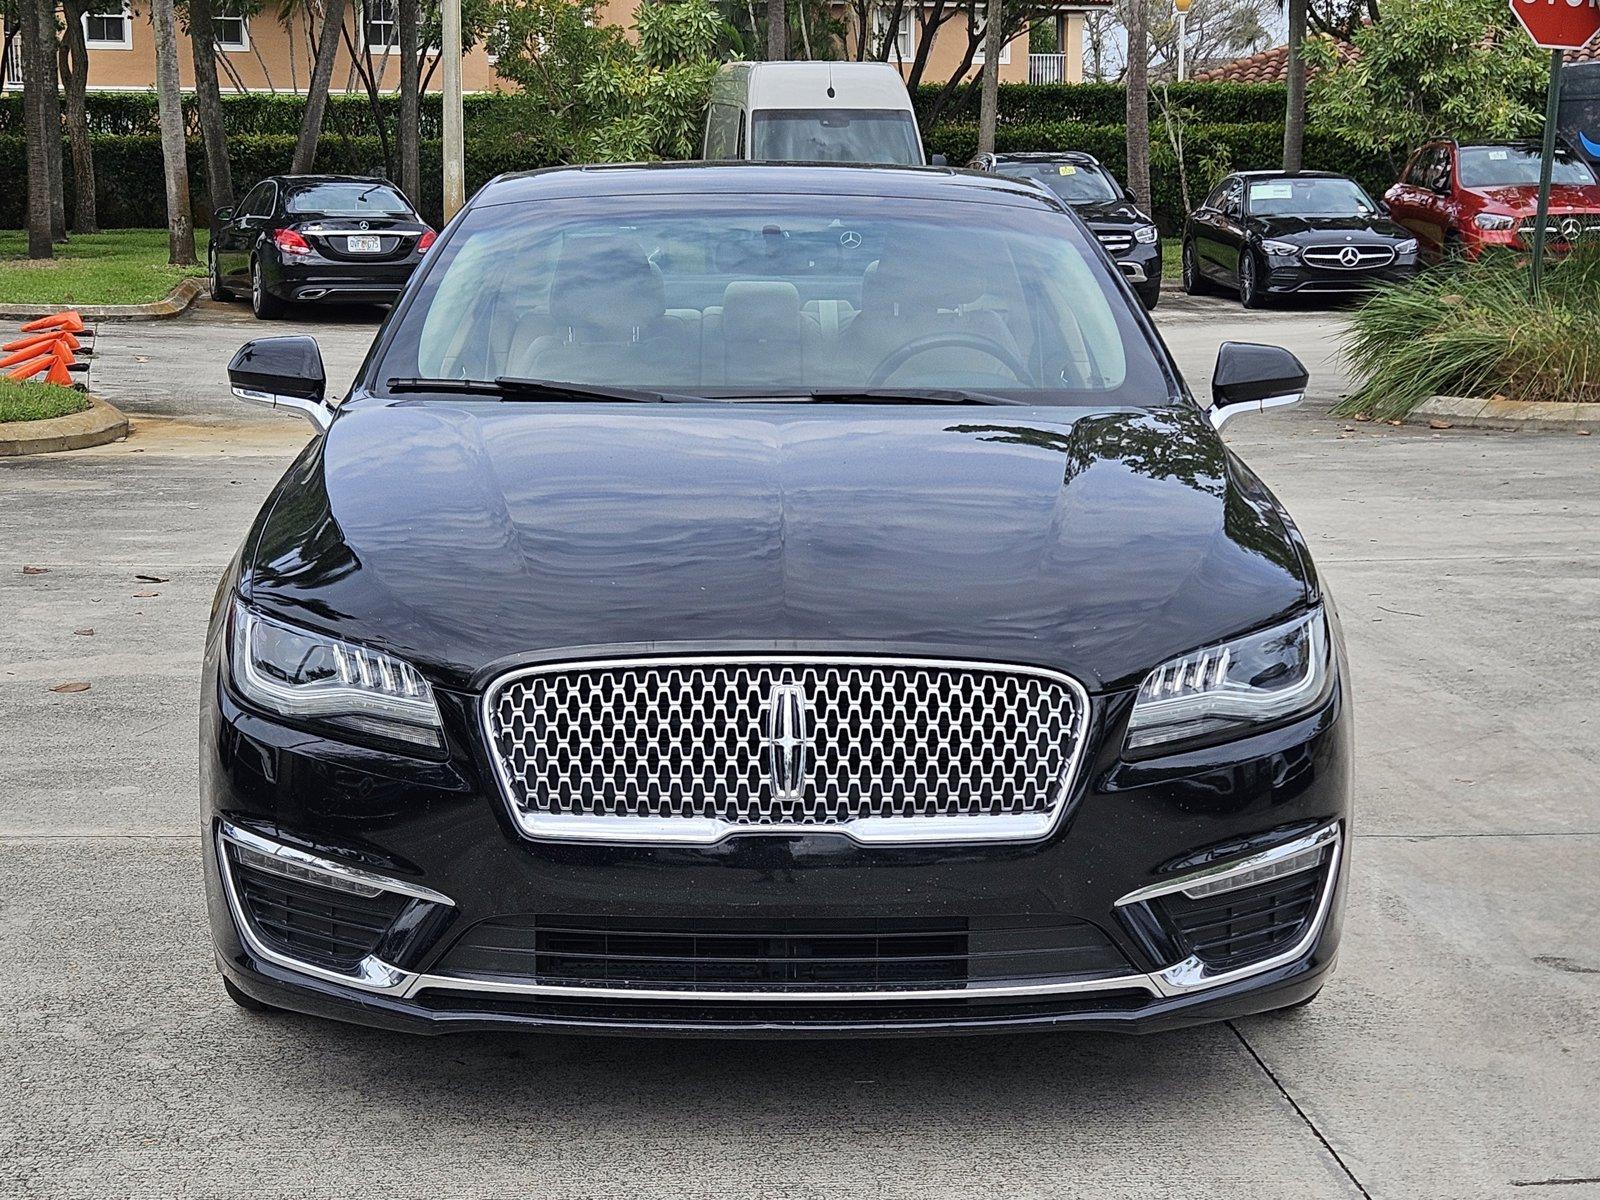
[{"x": 1133, "y": 272}]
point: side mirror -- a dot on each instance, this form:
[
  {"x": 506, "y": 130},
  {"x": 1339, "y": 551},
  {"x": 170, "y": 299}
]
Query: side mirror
[
  {"x": 938, "y": 160},
  {"x": 1250, "y": 378},
  {"x": 283, "y": 372},
  {"x": 222, "y": 214}
]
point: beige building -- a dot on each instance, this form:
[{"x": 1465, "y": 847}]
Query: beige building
[{"x": 259, "y": 55}]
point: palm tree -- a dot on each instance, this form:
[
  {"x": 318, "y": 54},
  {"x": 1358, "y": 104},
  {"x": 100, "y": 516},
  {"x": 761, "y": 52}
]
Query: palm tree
[
  {"x": 305, "y": 150},
  {"x": 408, "y": 142},
  {"x": 777, "y": 30},
  {"x": 1137, "y": 86},
  {"x": 34, "y": 56},
  {"x": 75, "y": 75},
  {"x": 208, "y": 103},
  {"x": 174, "y": 150},
  {"x": 1294, "y": 121}
]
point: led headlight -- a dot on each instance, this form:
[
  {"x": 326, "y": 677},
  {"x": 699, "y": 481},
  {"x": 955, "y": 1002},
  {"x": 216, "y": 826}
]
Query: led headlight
[
  {"x": 1232, "y": 689},
  {"x": 1145, "y": 233},
  {"x": 1281, "y": 249},
  {"x": 1496, "y": 221},
  {"x": 1409, "y": 246},
  {"x": 298, "y": 673}
]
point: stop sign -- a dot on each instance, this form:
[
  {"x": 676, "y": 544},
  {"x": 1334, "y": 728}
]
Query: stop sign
[{"x": 1559, "y": 24}]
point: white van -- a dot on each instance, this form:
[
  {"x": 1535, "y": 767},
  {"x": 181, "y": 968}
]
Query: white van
[{"x": 812, "y": 112}]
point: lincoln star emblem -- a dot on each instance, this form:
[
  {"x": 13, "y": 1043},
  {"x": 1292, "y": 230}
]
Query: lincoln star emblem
[
  {"x": 786, "y": 740},
  {"x": 1349, "y": 256}
]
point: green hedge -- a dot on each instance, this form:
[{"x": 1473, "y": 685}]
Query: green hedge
[
  {"x": 1104, "y": 103},
  {"x": 132, "y": 188}
]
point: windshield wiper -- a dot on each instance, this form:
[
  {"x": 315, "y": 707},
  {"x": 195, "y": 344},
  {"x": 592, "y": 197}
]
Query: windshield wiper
[
  {"x": 895, "y": 396},
  {"x": 510, "y": 387}
]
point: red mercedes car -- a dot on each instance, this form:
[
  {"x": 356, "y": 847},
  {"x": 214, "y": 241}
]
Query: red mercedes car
[{"x": 1463, "y": 199}]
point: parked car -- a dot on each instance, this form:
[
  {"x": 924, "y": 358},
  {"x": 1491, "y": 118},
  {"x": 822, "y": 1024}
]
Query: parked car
[
  {"x": 856, "y": 112},
  {"x": 1095, "y": 194},
  {"x": 1463, "y": 199},
  {"x": 1279, "y": 233},
  {"x": 770, "y": 601},
  {"x": 302, "y": 238}
]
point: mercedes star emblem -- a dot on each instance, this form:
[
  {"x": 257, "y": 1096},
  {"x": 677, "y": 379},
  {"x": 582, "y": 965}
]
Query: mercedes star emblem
[
  {"x": 849, "y": 239},
  {"x": 1349, "y": 256}
]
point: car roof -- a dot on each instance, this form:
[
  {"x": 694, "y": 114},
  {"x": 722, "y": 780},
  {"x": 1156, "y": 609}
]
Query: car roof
[
  {"x": 736, "y": 178},
  {"x": 312, "y": 180},
  {"x": 1047, "y": 156},
  {"x": 1290, "y": 175}
]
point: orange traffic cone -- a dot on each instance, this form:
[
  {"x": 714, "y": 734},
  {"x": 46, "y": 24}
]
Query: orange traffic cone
[
  {"x": 39, "y": 339},
  {"x": 58, "y": 374},
  {"x": 67, "y": 320},
  {"x": 27, "y": 354},
  {"x": 32, "y": 367}
]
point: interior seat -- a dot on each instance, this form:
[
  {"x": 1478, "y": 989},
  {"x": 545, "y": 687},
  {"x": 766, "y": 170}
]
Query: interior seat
[
  {"x": 759, "y": 336},
  {"x": 608, "y": 321}
]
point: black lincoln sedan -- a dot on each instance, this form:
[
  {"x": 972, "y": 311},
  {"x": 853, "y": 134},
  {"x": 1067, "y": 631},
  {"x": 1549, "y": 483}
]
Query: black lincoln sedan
[
  {"x": 772, "y": 600},
  {"x": 306, "y": 238},
  {"x": 1277, "y": 233},
  {"x": 1094, "y": 193}
]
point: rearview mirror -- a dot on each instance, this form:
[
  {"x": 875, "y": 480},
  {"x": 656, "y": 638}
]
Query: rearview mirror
[
  {"x": 938, "y": 160},
  {"x": 1251, "y": 378},
  {"x": 222, "y": 214},
  {"x": 282, "y": 372}
]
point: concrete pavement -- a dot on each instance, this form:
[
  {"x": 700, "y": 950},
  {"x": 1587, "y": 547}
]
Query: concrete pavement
[{"x": 1453, "y": 1056}]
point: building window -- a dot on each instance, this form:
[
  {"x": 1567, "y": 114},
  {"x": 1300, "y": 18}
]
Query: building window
[
  {"x": 108, "y": 26},
  {"x": 977, "y": 59},
  {"x": 381, "y": 30},
  {"x": 904, "y": 47},
  {"x": 231, "y": 32},
  {"x": 13, "y": 63}
]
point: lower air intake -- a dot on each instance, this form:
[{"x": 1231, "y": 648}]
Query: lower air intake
[
  {"x": 319, "y": 925},
  {"x": 1236, "y": 928}
]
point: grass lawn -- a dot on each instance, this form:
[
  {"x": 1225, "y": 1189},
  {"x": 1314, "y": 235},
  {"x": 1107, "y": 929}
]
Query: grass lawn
[
  {"x": 36, "y": 401},
  {"x": 1171, "y": 258},
  {"x": 119, "y": 266}
]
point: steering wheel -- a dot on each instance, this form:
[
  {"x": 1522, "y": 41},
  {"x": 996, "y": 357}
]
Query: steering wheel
[{"x": 896, "y": 359}]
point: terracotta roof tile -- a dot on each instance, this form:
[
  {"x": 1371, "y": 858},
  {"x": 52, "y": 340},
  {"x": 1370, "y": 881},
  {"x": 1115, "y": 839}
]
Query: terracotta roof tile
[{"x": 1268, "y": 66}]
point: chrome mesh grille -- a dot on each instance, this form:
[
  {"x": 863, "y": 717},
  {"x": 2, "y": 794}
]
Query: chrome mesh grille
[{"x": 663, "y": 739}]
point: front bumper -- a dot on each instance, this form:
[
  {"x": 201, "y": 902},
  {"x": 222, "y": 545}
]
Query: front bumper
[
  {"x": 440, "y": 829},
  {"x": 1296, "y": 278}
]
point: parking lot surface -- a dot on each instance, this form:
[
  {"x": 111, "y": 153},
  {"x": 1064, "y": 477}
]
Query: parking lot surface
[{"x": 1454, "y": 1055}]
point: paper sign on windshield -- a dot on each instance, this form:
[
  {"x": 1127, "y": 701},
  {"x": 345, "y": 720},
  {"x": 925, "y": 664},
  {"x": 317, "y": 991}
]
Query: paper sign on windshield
[
  {"x": 1272, "y": 191},
  {"x": 1066, "y": 170}
]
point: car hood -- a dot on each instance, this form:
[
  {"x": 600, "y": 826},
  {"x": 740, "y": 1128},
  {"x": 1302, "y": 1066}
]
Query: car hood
[
  {"x": 1374, "y": 225},
  {"x": 1524, "y": 198},
  {"x": 468, "y": 537},
  {"x": 1109, "y": 212}
]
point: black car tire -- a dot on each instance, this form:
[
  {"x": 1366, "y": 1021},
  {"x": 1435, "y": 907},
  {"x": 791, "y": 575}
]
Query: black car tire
[
  {"x": 244, "y": 1000},
  {"x": 1149, "y": 296},
  {"x": 263, "y": 303},
  {"x": 1194, "y": 284},
  {"x": 1250, "y": 291},
  {"x": 218, "y": 292}
]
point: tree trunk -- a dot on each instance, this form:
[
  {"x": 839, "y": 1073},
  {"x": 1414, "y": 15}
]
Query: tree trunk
[
  {"x": 777, "y": 30},
  {"x": 75, "y": 71},
  {"x": 369, "y": 80},
  {"x": 50, "y": 117},
  {"x": 40, "y": 243},
  {"x": 408, "y": 144},
  {"x": 1137, "y": 85},
  {"x": 305, "y": 150},
  {"x": 989, "y": 103},
  {"x": 1294, "y": 119},
  {"x": 174, "y": 148},
  {"x": 208, "y": 103}
]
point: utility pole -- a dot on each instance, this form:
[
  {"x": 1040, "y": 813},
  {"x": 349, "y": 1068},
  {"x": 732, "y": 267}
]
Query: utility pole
[
  {"x": 455, "y": 172},
  {"x": 989, "y": 105},
  {"x": 1552, "y": 115},
  {"x": 1182, "y": 7}
]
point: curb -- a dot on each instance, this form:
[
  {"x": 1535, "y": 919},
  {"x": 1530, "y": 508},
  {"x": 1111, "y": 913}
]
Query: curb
[
  {"x": 94, "y": 426},
  {"x": 1474, "y": 413},
  {"x": 177, "y": 301}
]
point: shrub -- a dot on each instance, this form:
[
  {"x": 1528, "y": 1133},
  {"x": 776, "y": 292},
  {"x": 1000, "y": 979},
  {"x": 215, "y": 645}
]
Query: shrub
[{"x": 1474, "y": 330}]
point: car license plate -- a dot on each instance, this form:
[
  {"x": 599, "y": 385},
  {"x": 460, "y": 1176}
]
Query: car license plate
[{"x": 365, "y": 243}]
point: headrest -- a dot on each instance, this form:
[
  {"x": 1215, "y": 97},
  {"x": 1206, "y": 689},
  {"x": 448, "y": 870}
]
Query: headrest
[
  {"x": 605, "y": 283},
  {"x": 761, "y": 312}
]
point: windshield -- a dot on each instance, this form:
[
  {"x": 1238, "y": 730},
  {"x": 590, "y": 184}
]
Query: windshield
[
  {"x": 1510, "y": 166},
  {"x": 353, "y": 199},
  {"x": 858, "y": 135},
  {"x": 1073, "y": 183},
  {"x": 1309, "y": 198},
  {"x": 776, "y": 296}
]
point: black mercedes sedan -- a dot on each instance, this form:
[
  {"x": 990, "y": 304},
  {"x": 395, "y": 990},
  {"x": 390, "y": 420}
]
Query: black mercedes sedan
[
  {"x": 772, "y": 600},
  {"x": 307, "y": 238},
  {"x": 1275, "y": 233},
  {"x": 1095, "y": 194}
]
